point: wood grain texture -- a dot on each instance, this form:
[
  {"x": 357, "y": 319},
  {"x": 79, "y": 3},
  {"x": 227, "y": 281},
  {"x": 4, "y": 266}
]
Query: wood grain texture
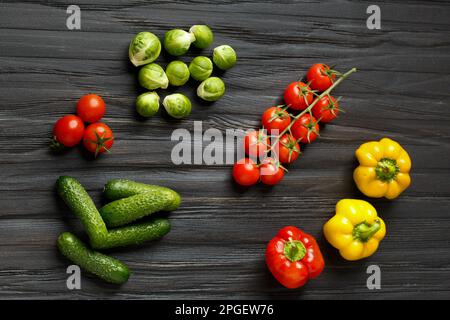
[{"x": 216, "y": 247}]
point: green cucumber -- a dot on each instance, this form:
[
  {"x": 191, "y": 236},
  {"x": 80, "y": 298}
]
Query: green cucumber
[
  {"x": 126, "y": 210},
  {"x": 103, "y": 266},
  {"x": 135, "y": 234},
  {"x": 79, "y": 201},
  {"x": 122, "y": 188}
]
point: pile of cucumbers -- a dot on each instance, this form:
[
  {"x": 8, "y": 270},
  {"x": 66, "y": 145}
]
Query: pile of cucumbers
[{"x": 106, "y": 227}]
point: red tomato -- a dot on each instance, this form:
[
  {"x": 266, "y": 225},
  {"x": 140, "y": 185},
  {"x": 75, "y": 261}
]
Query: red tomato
[
  {"x": 98, "y": 138},
  {"x": 275, "y": 118},
  {"x": 68, "y": 130},
  {"x": 246, "y": 172},
  {"x": 91, "y": 108},
  {"x": 298, "y": 95},
  {"x": 271, "y": 172},
  {"x": 256, "y": 143},
  {"x": 320, "y": 77},
  {"x": 326, "y": 109},
  {"x": 306, "y": 128},
  {"x": 288, "y": 149}
]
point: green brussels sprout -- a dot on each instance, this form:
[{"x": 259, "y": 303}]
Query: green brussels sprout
[
  {"x": 212, "y": 89},
  {"x": 224, "y": 57},
  {"x": 178, "y": 73},
  {"x": 147, "y": 104},
  {"x": 152, "y": 77},
  {"x": 177, "y": 41},
  {"x": 177, "y": 105},
  {"x": 203, "y": 36},
  {"x": 144, "y": 48},
  {"x": 201, "y": 68}
]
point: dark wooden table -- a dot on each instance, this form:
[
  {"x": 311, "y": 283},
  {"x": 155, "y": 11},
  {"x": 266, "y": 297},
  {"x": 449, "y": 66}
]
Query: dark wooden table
[{"x": 216, "y": 247}]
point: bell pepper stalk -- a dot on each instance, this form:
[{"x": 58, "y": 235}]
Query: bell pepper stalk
[
  {"x": 383, "y": 169},
  {"x": 355, "y": 230},
  {"x": 293, "y": 257}
]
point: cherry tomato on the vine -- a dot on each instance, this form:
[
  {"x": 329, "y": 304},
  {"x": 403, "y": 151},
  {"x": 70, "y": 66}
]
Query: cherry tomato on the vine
[
  {"x": 98, "y": 138},
  {"x": 91, "y": 108},
  {"x": 306, "y": 128},
  {"x": 275, "y": 118},
  {"x": 246, "y": 172},
  {"x": 326, "y": 109},
  {"x": 298, "y": 95},
  {"x": 68, "y": 130},
  {"x": 320, "y": 77},
  {"x": 288, "y": 149},
  {"x": 271, "y": 172},
  {"x": 256, "y": 143}
]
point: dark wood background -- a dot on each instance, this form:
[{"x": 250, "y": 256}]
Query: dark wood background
[{"x": 216, "y": 246}]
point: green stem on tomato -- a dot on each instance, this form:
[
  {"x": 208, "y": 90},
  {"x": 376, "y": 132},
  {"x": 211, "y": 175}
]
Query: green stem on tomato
[{"x": 323, "y": 94}]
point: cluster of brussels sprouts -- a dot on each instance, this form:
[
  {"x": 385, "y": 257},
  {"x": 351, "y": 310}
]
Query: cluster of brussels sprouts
[{"x": 145, "y": 48}]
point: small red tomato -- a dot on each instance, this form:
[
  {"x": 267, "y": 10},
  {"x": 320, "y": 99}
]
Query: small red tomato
[
  {"x": 294, "y": 257},
  {"x": 271, "y": 172},
  {"x": 246, "y": 172},
  {"x": 275, "y": 118},
  {"x": 320, "y": 77},
  {"x": 298, "y": 95},
  {"x": 91, "y": 108},
  {"x": 68, "y": 130},
  {"x": 256, "y": 143},
  {"x": 306, "y": 128},
  {"x": 288, "y": 149},
  {"x": 326, "y": 109},
  {"x": 98, "y": 138}
]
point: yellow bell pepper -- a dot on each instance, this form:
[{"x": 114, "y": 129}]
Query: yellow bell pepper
[
  {"x": 355, "y": 230},
  {"x": 383, "y": 170}
]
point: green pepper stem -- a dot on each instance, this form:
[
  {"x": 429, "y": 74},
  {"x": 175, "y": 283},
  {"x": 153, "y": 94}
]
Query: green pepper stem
[
  {"x": 294, "y": 250},
  {"x": 323, "y": 94},
  {"x": 364, "y": 231},
  {"x": 387, "y": 169}
]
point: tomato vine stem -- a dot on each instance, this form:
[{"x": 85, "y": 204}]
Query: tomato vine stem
[{"x": 323, "y": 94}]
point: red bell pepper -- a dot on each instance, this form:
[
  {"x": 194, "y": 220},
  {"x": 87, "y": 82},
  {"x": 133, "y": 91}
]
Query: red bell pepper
[{"x": 294, "y": 257}]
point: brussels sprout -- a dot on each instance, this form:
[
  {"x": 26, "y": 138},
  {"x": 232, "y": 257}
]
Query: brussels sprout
[
  {"x": 152, "y": 77},
  {"x": 201, "y": 68},
  {"x": 203, "y": 36},
  {"x": 147, "y": 104},
  {"x": 224, "y": 57},
  {"x": 144, "y": 48},
  {"x": 177, "y": 41},
  {"x": 178, "y": 73},
  {"x": 177, "y": 105},
  {"x": 212, "y": 89}
]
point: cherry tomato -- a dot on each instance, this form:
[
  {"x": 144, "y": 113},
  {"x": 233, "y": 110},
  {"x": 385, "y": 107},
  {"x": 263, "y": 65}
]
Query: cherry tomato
[
  {"x": 326, "y": 109},
  {"x": 68, "y": 130},
  {"x": 271, "y": 172},
  {"x": 275, "y": 118},
  {"x": 306, "y": 128},
  {"x": 320, "y": 77},
  {"x": 98, "y": 138},
  {"x": 246, "y": 172},
  {"x": 256, "y": 143},
  {"x": 91, "y": 108},
  {"x": 288, "y": 150},
  {"x": 298, "y": 95}
]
